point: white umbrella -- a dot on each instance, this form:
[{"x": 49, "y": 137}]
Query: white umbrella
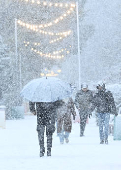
[{"x": 44, "y": 89}]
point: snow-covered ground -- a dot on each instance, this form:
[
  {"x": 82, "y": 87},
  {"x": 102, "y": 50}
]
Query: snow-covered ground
[{"x": 19, "y": 149}]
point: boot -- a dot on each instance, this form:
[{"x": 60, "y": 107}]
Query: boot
[
  {"x": 106, "y": 141},
  {"x": 49, "y": 152},
  {"x": 42, "y": 151},
  {"x": 102, "y": 142},
  {"x": 81, "y": 135},
  {"x": 67, "y": 140}
]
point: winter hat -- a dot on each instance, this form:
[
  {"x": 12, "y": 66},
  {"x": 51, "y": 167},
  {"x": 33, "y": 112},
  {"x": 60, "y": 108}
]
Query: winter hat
[
  {"x": 84, "y": 86},
  {"x": 101, "y": 84}
]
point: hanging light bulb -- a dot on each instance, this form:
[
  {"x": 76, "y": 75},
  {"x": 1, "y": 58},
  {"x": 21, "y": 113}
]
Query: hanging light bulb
[
  {"x": 33, "y": 1},
  {"x": 38, "y": 2}
]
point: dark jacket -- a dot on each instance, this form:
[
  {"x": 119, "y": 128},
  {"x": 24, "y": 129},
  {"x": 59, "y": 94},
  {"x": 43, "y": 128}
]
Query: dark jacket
[
  {"x": 46, "y": 112},
  {"x": 103, "y": 101},
  {"x": 64, "y": 112},
  {"x": 83, "y": 100}
]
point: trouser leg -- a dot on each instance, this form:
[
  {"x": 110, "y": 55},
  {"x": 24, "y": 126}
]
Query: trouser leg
[
  {"x": 83, "y": 119},
  {"x": 61, "y": 136},
  {"x": 66, "y": 134},
  {"x": 40, "y": 131},
  {"x": 49, "y": 134},
  {"x": 101, "y": 124},
  {"x": 49, "y": 140},
  {"x": 106, "y": 125}
]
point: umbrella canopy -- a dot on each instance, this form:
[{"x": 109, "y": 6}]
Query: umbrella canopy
[{"x": 46, "y": 90}]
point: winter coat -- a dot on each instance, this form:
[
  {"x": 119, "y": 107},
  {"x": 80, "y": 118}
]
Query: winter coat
[
  {"x": 45, "y": 113},
  {"x": 103, "y": 101},
  {"x": 64, "y": 112},
  {"x": 0, "y": 93},
  {"x": 83, "y": 100},
  {"x": 71, "y": 108}
]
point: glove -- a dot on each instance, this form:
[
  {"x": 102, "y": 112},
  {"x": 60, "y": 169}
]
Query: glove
[
  {"x": 116, "y": 114},
  {"x": 34, "y": 113},
  {"x": 90, "y": 115}
]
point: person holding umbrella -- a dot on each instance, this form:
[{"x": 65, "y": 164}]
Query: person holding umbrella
[
  {"x": 46, "y": 112},
  {"x": 44, "y": 94}
]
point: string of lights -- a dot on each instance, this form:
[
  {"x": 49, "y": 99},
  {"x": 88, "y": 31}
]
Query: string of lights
[
  {"x": 50, "y": 4},
  {"x": 34, "y": 43},
  {"x": 57, "y": 20},
  {"x": 27, "y": 43},
  {"x": 49, "y": 55},
  {"x": 60, "y": 38},
  {"x": 33, "y": 28},
  {"x": 38, "y": 28}
]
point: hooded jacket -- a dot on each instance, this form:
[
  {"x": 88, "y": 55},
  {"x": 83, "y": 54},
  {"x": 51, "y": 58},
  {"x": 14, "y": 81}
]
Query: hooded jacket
[
  {"x": 64, "y": 113},
  {"x": 103, "y": 101},
  {"x": 83, "y": 100},
  {"x": 46, "y": 112}
]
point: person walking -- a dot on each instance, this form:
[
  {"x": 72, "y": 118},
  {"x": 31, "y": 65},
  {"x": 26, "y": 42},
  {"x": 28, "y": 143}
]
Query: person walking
[
  {"x": 83, "y": 101},
  {"x": 64, "y": 121},
  {"x": 104, "y": 104},
  {"x": 45, "y": 119}
]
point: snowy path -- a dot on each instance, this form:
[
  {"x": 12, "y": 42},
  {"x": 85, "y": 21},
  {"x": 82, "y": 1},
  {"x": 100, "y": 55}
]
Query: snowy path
[{"x": 19, "y": 149}]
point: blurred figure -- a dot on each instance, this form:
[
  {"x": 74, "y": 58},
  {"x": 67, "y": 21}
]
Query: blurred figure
[
  {"x": 64, "y": 121},
  {"x": 1, "y": 95},
  {"x": 104, "y": 104},
  {"x": 45, "y": 119},
  {"x": 83, "y": 101},
  {"x": 32, "y": 107}
]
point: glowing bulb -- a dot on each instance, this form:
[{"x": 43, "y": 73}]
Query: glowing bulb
[
  {"x": 19, "y": 21},
  {"x": 61, "y": 18},
  {"x": 71, "y": 9},
  {"x": 66, "y": 5},
  {"x": 73, "y": 5},
  {"x": 40, "y": 26},
  {"x": 68, "y": 12},
  {"x": 38, "y": 2},
  {"x": 61, "y": 5},
  {"x": 42, "y": 74},
  {"x": 56, "y": 4},
  {"x": 45, "y": 25},
  {"x": 44, "y": 3}
]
